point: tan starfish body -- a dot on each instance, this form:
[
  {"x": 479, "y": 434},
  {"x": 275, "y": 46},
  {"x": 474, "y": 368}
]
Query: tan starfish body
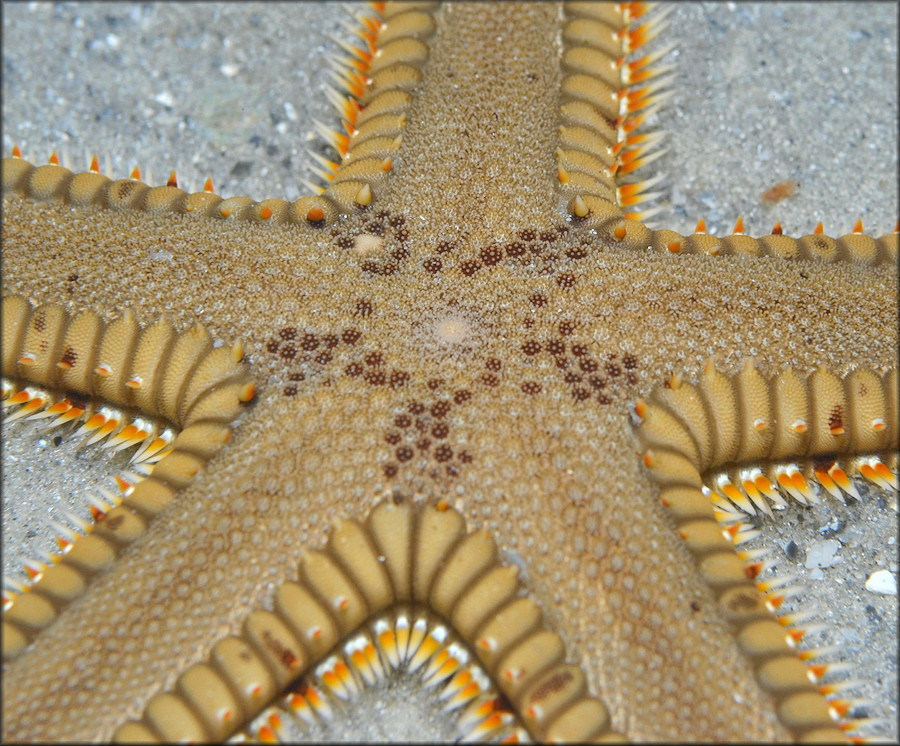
[{"x": 460, "y": 339}]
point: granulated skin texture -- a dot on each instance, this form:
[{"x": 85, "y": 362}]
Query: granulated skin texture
[
  {"x": 506, "y": 147},
  {"x": 556, "y": 478}
]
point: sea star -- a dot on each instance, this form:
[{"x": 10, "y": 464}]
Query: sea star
[{"x": 464, "y": 337}]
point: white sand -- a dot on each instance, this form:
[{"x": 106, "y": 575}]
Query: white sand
[{"x": 765, "y": 93}]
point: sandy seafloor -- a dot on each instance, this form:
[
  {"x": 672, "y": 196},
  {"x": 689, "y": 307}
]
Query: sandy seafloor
[{"x": 764, "y": 94}]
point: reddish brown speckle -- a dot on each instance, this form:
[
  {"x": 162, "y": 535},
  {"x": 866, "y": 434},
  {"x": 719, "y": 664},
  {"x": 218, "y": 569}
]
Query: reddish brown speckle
[
  {"x": 443, "y": 453},
  {"x": 285, "y": 655},
  {"x": 440, "y": 409},
  {"x": 515, "y": 249},
  {"x": 836, "y": 418},
  {"x": 70, "y": 357},
  {"x": 551, "y": 685},
  {"x": 469, "y": 267},
  {"x": 399, "y": 378},
  {"x": 490, "y": 255}
]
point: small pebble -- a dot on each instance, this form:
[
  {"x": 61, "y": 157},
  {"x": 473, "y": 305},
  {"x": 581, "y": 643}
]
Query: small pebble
[
  {"x": 883, "y": 582},
  {"x": 164, "y": 98},
  {"x": 822, "y": 554}
]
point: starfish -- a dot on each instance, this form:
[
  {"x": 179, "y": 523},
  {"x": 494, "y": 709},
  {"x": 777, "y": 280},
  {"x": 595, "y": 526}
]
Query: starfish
[{"x": 425, "y": 347}]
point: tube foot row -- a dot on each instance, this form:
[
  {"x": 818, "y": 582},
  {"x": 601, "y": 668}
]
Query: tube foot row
[
  {"x": 403, "y": 556},
  {"x": 174, "y": 395}
]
